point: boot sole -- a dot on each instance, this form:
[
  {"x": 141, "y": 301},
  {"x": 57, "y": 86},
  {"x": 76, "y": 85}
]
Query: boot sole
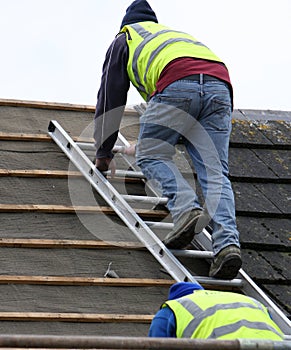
[{"x": 228, "y": 268}]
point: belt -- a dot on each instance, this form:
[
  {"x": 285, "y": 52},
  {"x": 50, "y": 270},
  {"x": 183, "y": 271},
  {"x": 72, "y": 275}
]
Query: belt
[{"x": 201, "y": 78}]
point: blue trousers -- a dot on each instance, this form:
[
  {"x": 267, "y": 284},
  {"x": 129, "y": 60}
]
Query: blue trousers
[{"x": 199, "y": 113}]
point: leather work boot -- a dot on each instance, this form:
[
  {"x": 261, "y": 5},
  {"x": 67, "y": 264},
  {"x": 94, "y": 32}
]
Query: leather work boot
[
  {"x": 189, "y": 224},
  {"x": 226, "y": 263}
]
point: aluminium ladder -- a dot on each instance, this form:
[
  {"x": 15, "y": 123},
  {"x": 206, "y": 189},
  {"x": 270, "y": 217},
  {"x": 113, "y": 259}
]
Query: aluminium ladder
[{"x": 75, "y": 151}]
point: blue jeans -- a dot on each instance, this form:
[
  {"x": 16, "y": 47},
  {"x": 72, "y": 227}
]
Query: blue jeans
[{"x": 199, "y": 114}]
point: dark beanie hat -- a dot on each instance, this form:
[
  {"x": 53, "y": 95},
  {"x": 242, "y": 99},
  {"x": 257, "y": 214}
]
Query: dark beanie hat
[
  {"x": 181, "y": 289},
  {"x": 138, "y": 11}
]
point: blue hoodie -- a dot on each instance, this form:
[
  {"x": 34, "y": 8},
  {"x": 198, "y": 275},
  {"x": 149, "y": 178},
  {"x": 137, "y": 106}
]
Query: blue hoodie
[
  {"x": 164, "y": 323},
  {"x": 112, "y": 94}
]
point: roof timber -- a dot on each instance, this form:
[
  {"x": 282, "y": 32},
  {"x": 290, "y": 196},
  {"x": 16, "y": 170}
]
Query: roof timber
[
  {"x": 53, "y": 208},
  {"x": 54, "y": 106},
  {"x": 74, "y": 317},
  {"x": 85, "y": 281}
]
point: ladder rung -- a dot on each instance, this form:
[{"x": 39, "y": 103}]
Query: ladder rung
[
  {"x": 145, "y": 199},
  {"x": 86, "y": 146},
  {"x": 118, "y": 149},
  {"x": 160, "y": 225},
  {"x": 126, "y": 173},
  {"x": 236, "y": 282},
  {"x": 192, "y": 253},
  {"x": 89, "y": 146}
]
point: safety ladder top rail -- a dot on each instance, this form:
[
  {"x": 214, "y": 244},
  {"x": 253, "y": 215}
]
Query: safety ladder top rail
[{"x": 143, "y": 232}]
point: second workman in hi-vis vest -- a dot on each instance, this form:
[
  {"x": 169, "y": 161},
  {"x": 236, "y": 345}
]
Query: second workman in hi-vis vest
[
  {"x": 192, "y": 312},
  {"x": 188, "y": 97}
]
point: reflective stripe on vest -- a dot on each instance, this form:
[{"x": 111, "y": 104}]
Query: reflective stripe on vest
[
  {"x": 145, "y": 76},
  {"x": 254, "y": 322}
]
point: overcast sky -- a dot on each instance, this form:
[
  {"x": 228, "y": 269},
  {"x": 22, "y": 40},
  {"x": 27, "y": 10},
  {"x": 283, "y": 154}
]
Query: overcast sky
[{"x": 53, "y": 50}]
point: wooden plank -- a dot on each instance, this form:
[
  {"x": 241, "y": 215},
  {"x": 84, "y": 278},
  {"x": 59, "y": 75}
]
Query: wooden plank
[
  {"x": 85, "y": 281},
  {"x": 98, "y": 281},
  {"x": 56, "y": 106},
  {"x": 76, "y": 281},
  {"x": 14, "y": 136},
  {"x": 39, "y": 173},
  {"x": 61, "y": 174},
  {"x": 52, "y": 208},
  {"x": 4, "y": 136},
  {"x": 66, "y": 243},
  {"x": 47, "y": 105},
  {"x": 57, "y": 174},
  {"x": 148, "y": 213},
  {"x": 46, "y": 208},
  {"x": 74, "y": 317}
]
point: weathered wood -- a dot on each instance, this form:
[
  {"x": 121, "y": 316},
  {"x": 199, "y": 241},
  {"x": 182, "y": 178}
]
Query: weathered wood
[
  {"x": 66, "y": 243},
  {"x": 13, "y": 208},
  {"x": 56, "y": 106},
  {"x": 46, "y": 105},
  {"x": 73, "y": 317},
  {"x": 4, "y": 136},
  {"x": 39, "y": 173},
  {"x": 85, "y": 281},
  {"x": 62, "y": 174},
  {"x": 57, "y": 174},
  {"x": 14, "y": 136}
]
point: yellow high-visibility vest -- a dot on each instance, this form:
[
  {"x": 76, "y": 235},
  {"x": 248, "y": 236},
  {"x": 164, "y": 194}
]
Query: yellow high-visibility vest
[
  {"x": 222, "y": 315},
  {"x": 152, "y": 46}
]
